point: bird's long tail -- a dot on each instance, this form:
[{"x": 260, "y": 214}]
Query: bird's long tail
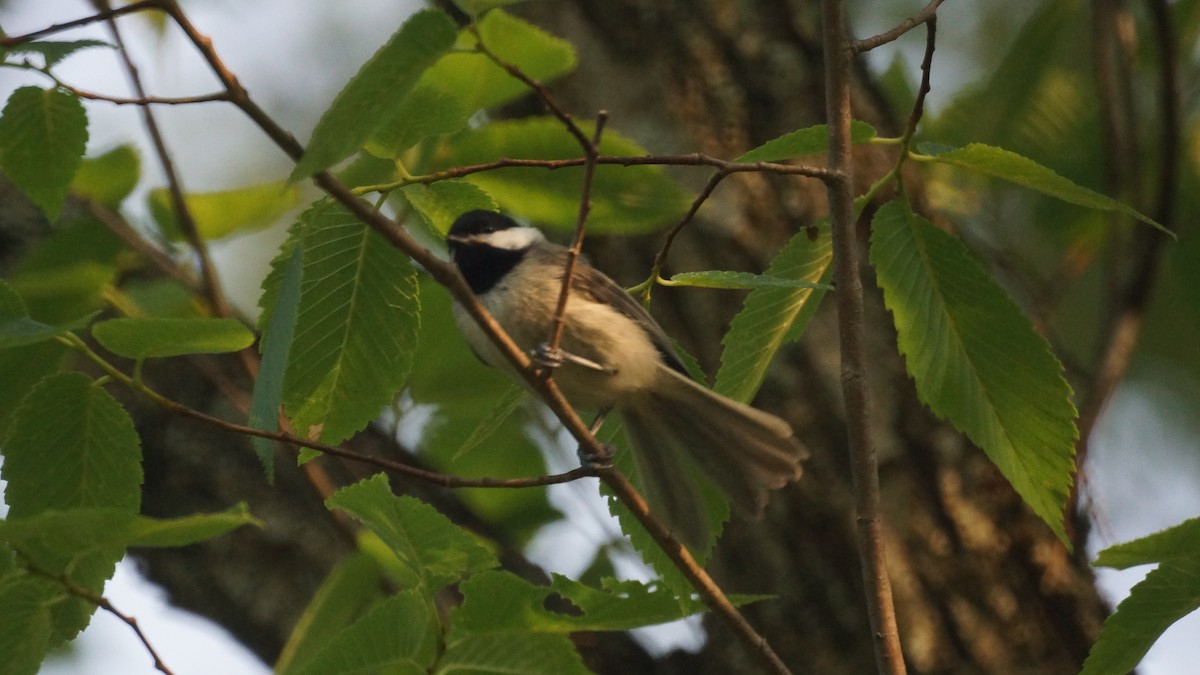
[{"x": 745, "y": 452}]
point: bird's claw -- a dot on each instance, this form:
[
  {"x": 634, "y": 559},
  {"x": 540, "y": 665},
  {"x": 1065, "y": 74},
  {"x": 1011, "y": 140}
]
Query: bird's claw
[
  {"x": 602, "y": 460},
  {"x": 544, "y": 356}
]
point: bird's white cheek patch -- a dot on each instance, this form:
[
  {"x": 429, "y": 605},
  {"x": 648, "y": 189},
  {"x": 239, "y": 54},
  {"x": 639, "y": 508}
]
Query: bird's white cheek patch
[{"x": 514, "y": 238}]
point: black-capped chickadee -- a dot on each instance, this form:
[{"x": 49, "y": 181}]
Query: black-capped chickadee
[{"x": 614, "y": 356}]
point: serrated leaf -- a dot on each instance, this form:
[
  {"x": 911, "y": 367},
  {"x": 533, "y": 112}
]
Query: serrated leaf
[
  {"x": 442, "y": 202},
  {"x": 52, "y": 51},
  {"x": 400, "y": 635},
  {"x": 478, "y": 83},
  {"x": 277, "y": 343},
  {"x": 349, "y": 589},
  {"x": 143, "y": 338},
  {"x": 500, "y": 601},
  {"x": 1166, "y": 595},
  {"x": 227, "y": 212},
  {"x": 43, "y": 134},
  {"x": 436, "y": 551},
  {"x": 771, "y": 317},
  {"x": 976, "y": 359},
  {"x": 376, "y": 91},
  {"x": 1007, "y": 165},
  {"x": 18, "y": 330},
  {"x": 110, "y": 177},
  {"x": 24, "y": 367},
  {"x": 425, "y": 112},
  {"x": 512, "y": 653},
  {"x": 505, "y": 406},
  {"x": 25, "y": 624},
  {"x": 626, "y": 200},
  {"x": 75, "y": 532},
  {"x": 71, "y": 444},
  {"x": 803, "y": 142},
  {"x": 1180, "y": 541},
  {"x": 739, "y": 280},
  {"x": 357, "y": 323}
]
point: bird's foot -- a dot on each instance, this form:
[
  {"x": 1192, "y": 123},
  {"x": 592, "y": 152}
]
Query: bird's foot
[
  {"x": 544, "y": 356},
  {"x": 601, "y": 460}
]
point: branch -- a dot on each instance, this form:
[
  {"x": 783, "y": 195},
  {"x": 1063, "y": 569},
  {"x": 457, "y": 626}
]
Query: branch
[
  {"x": 863, "y": 460},
  {"x": 98, "y": 600},
  {"x": 105, "y": 15},
  {"x": 150, "y": 100},
  {"x": 867, "y": 44}
]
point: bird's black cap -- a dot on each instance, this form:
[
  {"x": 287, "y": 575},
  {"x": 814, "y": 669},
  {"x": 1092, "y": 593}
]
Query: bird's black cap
[
  {"x": 478, "y": 222},
  {"x": 481, "y": 265}
]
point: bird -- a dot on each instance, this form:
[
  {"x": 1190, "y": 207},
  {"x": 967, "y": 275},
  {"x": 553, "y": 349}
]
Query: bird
[{"x": 613, "y": 356}]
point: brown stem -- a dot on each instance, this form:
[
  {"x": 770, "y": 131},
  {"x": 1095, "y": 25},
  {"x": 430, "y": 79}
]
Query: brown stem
[
  {"x": 867, "y": 44},
  {"x": 98, "y": 600},
  {"x": 863, "y": 459}
]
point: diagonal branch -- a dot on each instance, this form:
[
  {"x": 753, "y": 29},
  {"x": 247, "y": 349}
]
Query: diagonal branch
[{"x": 867, "y": 44}]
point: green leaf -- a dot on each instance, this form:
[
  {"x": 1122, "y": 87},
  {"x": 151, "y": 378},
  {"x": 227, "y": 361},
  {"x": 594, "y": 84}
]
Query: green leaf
[
  {"x": 71, "y": 444},
  {"x": 511, "y": 653},
  {"x": 771, "y": 316},
  {"x": 357, "y": 324},
  {"x": 349, "y": 589},
  {"x": 277, "y": 344},
  {"x": 478, "y": 83},
  {"x": 1166, "y": 595},
  {"x": 440, "y": 203},
  {"x": 51, "y": 51},
  {"x": 24, "y": 367},
  {"x": 150, "y": 338},
  {"x": 25, "y": 624},
  {"x": 1010, "y": 166},
  {"x": 803, "y": 142},
  {"x": 1180, "y": 541},
  {"x": 110, "y": 177},
  {"x": 500, "y": 601},
  {"x": 435, "y": 550},
  {"x": 478, "y": 7},
  {"x": 425, "y": 112},
  {"x": 18, "y": 330},
  {"x": 72, "y": 533},
  {"x": 367, "y": 101},
  {"x": 505, "y": 406},
  {"x": 739, "y": 280},
  {"x": 221, "y": 214},
  {"x": 43, "y": 134},
  {"x": 400, "y": 635},
  {"x": 626, "y": 200},
  {"x": 976, "y": 359}
]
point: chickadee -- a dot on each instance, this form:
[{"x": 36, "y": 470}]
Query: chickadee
[{"x": 614, "y": 356}]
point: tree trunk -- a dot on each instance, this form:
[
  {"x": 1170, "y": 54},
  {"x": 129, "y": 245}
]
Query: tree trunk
[{"x": 981, "y": 584}]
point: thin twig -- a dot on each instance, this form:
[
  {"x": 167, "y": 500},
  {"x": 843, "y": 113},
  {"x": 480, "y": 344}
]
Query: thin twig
[
  {"x": 660, "y": 259},
  {"x": 105, "y": 15},
  {"x": 863, "y": 460},
  {"x": 150, "y": 100},
  {"x": 183, "y": 215},
  {"x": 1133, "y": 298},
  {"x": 591, "y": 151},
  {"x": 867, "y": 44},
  {"x": 98, "y": 600}
]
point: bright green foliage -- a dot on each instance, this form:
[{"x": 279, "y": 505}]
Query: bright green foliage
[
  {"x": 976, "y": 360},
  {"x": 398, "y": 636},
  {"x": 628, "y": 200},
  {"x": 364, "y": 104},
  {"x": 772, "y": 316},
  {"x": 803, "y": 142},
  {"x": 277, "y": 345},
  {"x": 220, "y": 214},
  {"x": 18, "y": 330},
  {"x": 478, "y": 82},
  {"x": 433, "y": 549},
  {"x": 154, "y": 338},
  {"x": 71, "y": 445},
  {"x": 25, "y": 624},
  {"x": 347, "y": 592},
  {"x": 440, "y": 203},
  {"x": 743, "y": 280},
  {"x": 72, "y": 533},
  {"x": 1166, "y": 595},
  {"x": 110, "y": 177},
  {"x": 357, "y": 324},
  {"x": 1023, "y": 171},
  {"x": 43, "y": 133},
  {"x": 511, "y": 653},
  {"x": 425, "y": 112}
]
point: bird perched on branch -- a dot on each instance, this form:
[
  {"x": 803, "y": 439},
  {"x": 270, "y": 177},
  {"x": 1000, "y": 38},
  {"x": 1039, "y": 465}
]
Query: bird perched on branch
[{"x": 614, "y": 357}]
